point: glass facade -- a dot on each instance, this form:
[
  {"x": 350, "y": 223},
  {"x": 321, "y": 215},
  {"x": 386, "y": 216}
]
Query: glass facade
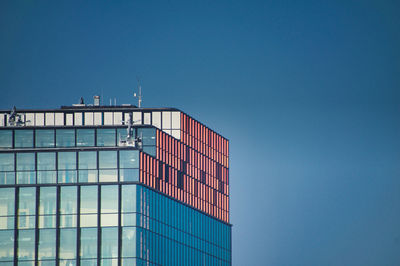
[{"x": 71, "y": 195}]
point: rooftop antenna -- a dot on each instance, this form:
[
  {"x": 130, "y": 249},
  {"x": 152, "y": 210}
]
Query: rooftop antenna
[{"x": 140, "y": 94}]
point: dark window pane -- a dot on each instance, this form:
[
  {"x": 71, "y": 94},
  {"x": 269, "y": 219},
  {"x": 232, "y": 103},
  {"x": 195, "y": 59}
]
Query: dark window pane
[
  {"x": 5, "y": 138},
  {"x": 44, "y": 138},
  {"x": 23, "y": 138},
  {"x": 105, "y": 137},
  {"x": 65, "y": 137},
  {"x": 85, "y": 137}
]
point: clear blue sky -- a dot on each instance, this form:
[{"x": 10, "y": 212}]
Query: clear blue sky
[{"x": 308, "y": 92}]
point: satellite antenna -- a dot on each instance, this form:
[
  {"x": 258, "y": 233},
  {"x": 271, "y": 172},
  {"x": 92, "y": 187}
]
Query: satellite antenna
[{"x": 140, "y": 94}]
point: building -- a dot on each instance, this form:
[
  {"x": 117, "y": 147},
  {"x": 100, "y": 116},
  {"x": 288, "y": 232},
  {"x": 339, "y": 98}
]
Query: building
[{"x": 112, "y": 185}]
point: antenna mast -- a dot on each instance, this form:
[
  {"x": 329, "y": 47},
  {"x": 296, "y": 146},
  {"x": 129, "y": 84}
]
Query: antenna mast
[{"x": 140, "y": 94}]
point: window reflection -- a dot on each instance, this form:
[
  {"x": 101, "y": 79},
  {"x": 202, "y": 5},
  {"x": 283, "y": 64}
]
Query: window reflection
[
  {"x": 88, "y": 243},
  {"x": 105, "y": 137},
  {"x": 44, "y": 138},
  {"x": 85, "y": 137},
  {"x": 26, "y": 244},
  {"x": 23, "y": 138},
  {"x": 107, "y": 159},
  {"x": 5, "y": 138},
  {"x": 65, "y": 137},
  {"x": 109, "y": 242},
  {"x": 67, "y": 244},
  {"x": 87, "y": 160},
  {"x": 25, "y": 161},
  {"x": 47, "y": 242}
]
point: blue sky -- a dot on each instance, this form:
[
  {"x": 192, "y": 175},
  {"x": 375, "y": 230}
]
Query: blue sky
[{"x": 308, "y": 92}]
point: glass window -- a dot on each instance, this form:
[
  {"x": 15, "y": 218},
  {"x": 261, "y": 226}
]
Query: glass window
[
  {"x": 109, "y": 242},
  {"x": 27, "y": 199},
  {"x": 127, "y": 175},
  {"x": 26, "y": 177},
  {"x": 68, "y": 220},
  {"x": 7, "y": 207},
  {"x": 47, "y": 243},
  {"x": 44, "y": 177},
  {"x": 85, "y": 137},
  {"x": 26, "y": 244},
  {"x": 7, "y": 178},
  {"x": 65, "y": 137},
  {"x": 46, "y": 161},
  {"x": 109, "y": 199},
  {"x": 88, "y": 243},
  {"x": 47, "y": 200},
  {"x": 148, "y": 135},
  {"x": 25, "y": 161},
  {"x": 68, "y": 201},
  {"x": 128, "y": 219},
  {"x": 44, "y": 138},
  {"x": 87, "y": 160},
  {"x": 5, "y": 138},
  {"x": 67, "y": 176},
  {"x": 108, "y": 159},
  {"x": 87, "y": 176},
  {"x": 66, "y": 160},
  {"x": 6, "y": 161},
  {"x": 88, "y": 262},
  {"x": 122, "y": 133},
  {"x": 150, "y": 150},
  {"x": 129, "y": 159},
  {"x": 128, "y": 198},
  {"x": 67, "y": 243},
  {"x": 129, "y": 242},
  {"x": 7, "y": 245},
  {"x": 105, "y": 137},
  {"x": 88, "y": 220},
  {"x": 23, "y": 138},
  {"x": 88, "y": 199},
  {"x": 108, "y": 175},
  {"x": 47, "y": 221}
]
